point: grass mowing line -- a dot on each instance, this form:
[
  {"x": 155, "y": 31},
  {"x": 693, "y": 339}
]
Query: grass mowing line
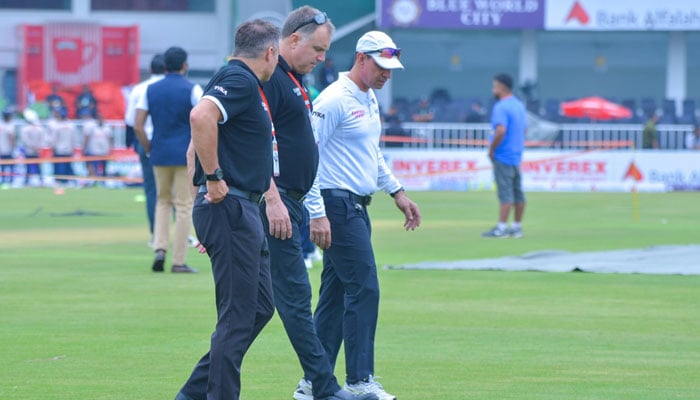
[{"x": 77, "y": 236}]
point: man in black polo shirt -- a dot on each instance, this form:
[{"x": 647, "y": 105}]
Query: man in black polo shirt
[
  {"x": 232, "y": 138},
  {"x": 306, "y": 36}
]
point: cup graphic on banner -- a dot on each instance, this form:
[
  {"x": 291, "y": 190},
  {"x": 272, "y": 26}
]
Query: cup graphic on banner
[{"x": 72, "y": 53}]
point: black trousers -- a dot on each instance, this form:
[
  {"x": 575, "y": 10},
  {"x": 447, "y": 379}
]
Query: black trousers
[
  {"x": 233, "y": 234},
  {"x": 292, "y": 294}
]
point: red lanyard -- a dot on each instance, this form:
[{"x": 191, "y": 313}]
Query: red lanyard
[
  {"x": 275, "y": 153},
  {"x": 267, "y": 108},
  {"x": 307, "y": 102}
]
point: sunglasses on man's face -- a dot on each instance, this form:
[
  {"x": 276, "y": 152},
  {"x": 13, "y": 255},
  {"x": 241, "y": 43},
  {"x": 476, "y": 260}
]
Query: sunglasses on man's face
[
  {"x": 387, "y": 52},
  {"x": 319, "y": 19}
]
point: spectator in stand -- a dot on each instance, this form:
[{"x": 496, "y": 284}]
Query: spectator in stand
[
  {"x": 97, "y": 142},
  {"x": 476, "y": 113},
  {"x": 86, "y": 102},
  {"x": 650, "y": 138},
  {"x": 8, "y": 140},
  {"x": 33, "y": 137},
  {"x": 327, "y": 74},
  {"x": 63, "y": 136},
  {"x": 424, "y": 112},
  {"x": 392, "y": 123},
  {"x": 692, "y": 140},
  {"x": 54, "y": 100}
]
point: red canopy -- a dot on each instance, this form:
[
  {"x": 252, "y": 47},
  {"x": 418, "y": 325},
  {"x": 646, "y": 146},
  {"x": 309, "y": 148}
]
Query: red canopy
[{"x": 594, "y": 108}]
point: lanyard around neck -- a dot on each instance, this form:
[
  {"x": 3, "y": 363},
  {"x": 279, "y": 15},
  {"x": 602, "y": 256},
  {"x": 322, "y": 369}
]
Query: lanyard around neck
[
  {"x": 275, "y": 152},
  {"x": 307, "y": 102},
  {"x": 269, "y": 113}
]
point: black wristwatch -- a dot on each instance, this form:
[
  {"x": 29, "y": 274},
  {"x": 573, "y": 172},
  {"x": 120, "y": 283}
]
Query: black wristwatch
[
  {"x": 396, "y": 192},
  {"x": 216, "y": 176}
]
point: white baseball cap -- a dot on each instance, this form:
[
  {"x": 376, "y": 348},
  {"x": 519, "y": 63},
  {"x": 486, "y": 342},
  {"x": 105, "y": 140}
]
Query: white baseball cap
[
  {"x": 31, "y": 116},
  {"x": 381, "y": 48}
]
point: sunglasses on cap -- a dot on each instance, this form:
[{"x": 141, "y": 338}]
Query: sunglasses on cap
[
  {"x": 386, "y": 53},
  {"x": 319, "y": 19}
]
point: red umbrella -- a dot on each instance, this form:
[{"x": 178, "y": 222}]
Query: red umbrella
[{"x": 594, "y": 108}]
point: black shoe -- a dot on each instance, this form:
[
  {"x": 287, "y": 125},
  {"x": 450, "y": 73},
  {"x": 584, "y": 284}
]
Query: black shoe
[
  {"x": 183, "y": 269},
  {"x": 158, "y": 261},
  {"x": 343, "y": 394}
]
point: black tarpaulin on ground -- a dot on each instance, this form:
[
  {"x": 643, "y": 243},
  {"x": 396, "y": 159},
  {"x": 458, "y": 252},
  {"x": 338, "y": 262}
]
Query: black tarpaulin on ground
[{"x": 672, "y": 260}]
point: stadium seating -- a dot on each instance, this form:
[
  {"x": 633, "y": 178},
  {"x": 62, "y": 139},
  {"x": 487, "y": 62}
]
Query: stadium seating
[
  {"x": 687, "y": 119},
  {"x": 667, "y": 119},
  {"x": 533, "y": 105},
  {"x": 669, "y": 107},
  {"x": 551, "y": 110},
  {"x": 689, "y": 107},
  {"x": 459, "y": 109},
  {"x": 649, "y": 106}
]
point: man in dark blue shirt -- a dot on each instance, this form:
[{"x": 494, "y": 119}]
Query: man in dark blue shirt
[
  {"x": 306, "y": 36},
  {"x": 169, "y": 102},
  {"x": 232, "y": 138}
]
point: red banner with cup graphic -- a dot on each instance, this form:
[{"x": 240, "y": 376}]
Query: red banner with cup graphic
[{"x": 73, "y": 54}]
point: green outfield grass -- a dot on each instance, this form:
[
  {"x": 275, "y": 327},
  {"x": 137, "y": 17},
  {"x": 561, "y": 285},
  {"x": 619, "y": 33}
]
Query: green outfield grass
[{"x": 82, "y": 316}]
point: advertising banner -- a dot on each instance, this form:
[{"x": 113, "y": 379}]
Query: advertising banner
[
  {"x": 72, "y": 54},
  {"x": 463, "y": 14},
  {"x": 543, "y": 170},
  {"x": 639, "y": 15}
]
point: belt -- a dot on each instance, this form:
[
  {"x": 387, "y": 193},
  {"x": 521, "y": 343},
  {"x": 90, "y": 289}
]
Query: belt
[
  {"x": 252, "y": 196},
  {"x": 297, "y": 196},
  {"x": 363, "y": 200}
]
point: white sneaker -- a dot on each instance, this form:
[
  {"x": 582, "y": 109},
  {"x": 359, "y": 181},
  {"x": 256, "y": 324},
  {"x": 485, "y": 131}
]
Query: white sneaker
[
  {"x": 369, "y": 386},
  {"x": 308, "y": 263},
  {"x": 496, "y": 232},
  {"x": 316, "y": 255},
  {"x": 304, "y": 390},
  {"x": 516, "y": 232},
  {"x": 192, "y": 241}
]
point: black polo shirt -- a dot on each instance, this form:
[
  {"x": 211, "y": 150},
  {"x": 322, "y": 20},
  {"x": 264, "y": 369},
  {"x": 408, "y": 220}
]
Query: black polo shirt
[
  {"x": 245, "y": 134},
  {"x": 298, "y": 153}
]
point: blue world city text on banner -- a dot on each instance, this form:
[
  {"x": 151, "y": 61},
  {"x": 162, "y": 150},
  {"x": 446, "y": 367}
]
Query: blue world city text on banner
[{"x": 462, "y": 14}]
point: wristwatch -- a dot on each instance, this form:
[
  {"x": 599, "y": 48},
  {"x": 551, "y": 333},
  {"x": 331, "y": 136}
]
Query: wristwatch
[
  {"x": 393, "y": 194},
  {"x": 216, "y": 176}
]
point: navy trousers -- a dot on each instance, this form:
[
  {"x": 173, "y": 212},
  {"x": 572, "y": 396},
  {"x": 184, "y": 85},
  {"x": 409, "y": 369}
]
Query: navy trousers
[
  {"x": 348, "y": 303},
  {"x": 32, "y": 168},
  {"x": 233, "y": 234},
  {"x": 63, "y": 168},
  {"x": 149, "y": 183},
  {"x": 7, "y": 170},
  {"x": 292, "y": 294},
  {"x": 307, "y": 246}
]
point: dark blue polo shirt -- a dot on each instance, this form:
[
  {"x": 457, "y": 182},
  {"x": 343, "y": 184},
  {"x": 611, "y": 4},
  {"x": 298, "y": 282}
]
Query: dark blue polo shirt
[
  {"x": 245, "y": 134},
  {"x": 298, "y": 153},
  {"x": 170, "y": 103}
]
